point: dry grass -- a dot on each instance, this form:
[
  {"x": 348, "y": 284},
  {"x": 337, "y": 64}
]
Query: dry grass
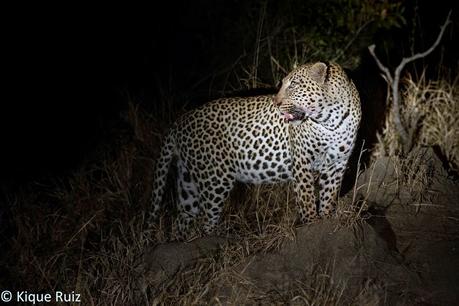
[
  {"x": 218, "y": 279},
  {"x": 315, "y": 289},
  {"x": 430, "y": 113},
  {"x": 85, "y": 234},
  {"x": 440, "y": 127}
]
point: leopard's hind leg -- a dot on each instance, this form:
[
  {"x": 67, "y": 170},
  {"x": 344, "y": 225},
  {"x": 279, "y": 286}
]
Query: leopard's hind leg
[{"x": 188, "y": 199}]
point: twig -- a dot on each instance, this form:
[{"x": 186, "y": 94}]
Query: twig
[
  {"x": 407, "y": 60},
  {"x": 82, "y": 228},
  {"x": 279, "y": 65},
  {"x": 257, "y": 45},
  {"x": 383, "y": 68},
  {"x": 394, "y": 82}
]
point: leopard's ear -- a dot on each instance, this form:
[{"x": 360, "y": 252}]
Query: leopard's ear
[{"x": 318, "y": 72}]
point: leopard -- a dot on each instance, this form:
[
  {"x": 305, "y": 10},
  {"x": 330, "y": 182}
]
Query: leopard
[{"x": 304, "y": 134}]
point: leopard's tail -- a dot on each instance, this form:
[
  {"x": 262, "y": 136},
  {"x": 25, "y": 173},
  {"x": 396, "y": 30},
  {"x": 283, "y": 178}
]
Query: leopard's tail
[{"x": 160, "y": 173}]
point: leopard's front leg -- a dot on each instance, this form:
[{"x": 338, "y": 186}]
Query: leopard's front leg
[
  {"x": 303, "y": 176},
  {"x": 329, "y": 185},
  {"x": 304, "y": 193}
]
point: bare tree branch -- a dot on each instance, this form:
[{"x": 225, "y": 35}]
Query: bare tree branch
[
  {"x": 383, "y": 68},
  {"x": 394, "y": 81},
  {"x": 416, "y": 56}
]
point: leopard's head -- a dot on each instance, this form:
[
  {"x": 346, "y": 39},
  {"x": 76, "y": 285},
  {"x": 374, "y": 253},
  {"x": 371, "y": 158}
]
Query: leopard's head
[{"x": 303, "y": 93}]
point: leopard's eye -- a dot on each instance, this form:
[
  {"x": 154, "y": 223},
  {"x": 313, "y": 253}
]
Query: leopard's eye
[{"x": 293, "y": 84}]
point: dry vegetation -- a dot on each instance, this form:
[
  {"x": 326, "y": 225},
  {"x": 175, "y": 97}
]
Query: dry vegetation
[{"x": 430, "y": 112}]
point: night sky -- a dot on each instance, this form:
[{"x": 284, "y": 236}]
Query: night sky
[{"x": 71, "y": 70}]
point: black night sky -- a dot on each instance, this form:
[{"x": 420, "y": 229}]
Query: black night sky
[{"x": 72, "y": 69}]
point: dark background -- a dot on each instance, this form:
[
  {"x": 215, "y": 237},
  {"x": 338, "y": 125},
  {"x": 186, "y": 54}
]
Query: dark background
[{"x": 71, "y": 70}]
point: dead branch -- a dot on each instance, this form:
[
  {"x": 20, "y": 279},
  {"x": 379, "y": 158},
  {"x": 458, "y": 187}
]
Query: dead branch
[{"x": 394, "y": 81}]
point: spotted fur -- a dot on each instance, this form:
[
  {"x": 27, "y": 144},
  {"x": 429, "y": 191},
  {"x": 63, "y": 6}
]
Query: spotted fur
[{"x": 305, "y": 133}]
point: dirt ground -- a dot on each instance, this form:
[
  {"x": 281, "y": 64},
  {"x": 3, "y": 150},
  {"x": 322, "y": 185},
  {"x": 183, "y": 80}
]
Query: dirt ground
[
  {"x": 426, "y": 226},
  {"x": 402, "y": 250}
]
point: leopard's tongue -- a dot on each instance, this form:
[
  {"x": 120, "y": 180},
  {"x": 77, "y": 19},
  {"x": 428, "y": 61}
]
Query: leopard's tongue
[{"x": 293, "y": 116}]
